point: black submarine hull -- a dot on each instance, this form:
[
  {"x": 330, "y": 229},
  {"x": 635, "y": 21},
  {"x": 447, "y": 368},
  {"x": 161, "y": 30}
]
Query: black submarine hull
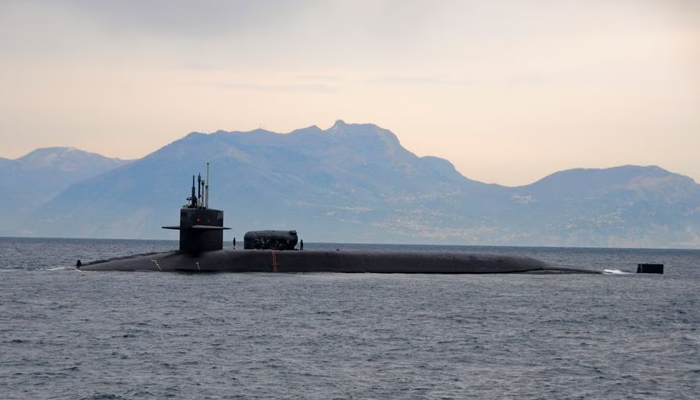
[{"x": 344, "y": 261}]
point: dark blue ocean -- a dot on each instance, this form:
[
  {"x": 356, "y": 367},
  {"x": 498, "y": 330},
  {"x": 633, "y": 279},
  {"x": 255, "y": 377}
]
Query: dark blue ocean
[{"x": 66, "y": 334}]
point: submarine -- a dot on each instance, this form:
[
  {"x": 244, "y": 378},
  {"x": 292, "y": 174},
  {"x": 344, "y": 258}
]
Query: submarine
[{"x": 201, "y": 250}]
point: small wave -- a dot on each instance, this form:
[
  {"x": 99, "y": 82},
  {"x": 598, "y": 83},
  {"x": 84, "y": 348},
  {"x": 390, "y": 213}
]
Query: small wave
[
  {"x": 616, "y": 272},
  {"x": 61, "y": 269},
  {"x": 103, "y": 396}
]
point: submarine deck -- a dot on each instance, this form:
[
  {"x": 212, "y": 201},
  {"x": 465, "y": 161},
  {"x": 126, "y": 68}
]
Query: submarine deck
[{"x": 344, "y": 261}]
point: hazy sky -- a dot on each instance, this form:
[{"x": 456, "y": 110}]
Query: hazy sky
[{"x": 507, "y": 90}]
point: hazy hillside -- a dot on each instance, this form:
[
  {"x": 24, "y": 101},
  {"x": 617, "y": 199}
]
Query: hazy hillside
[
  {"x": 615, "y": 207},
  {"x": 30, "y": 181},
  {"x": 357, "y": 176},
  {"x": 356, "y": 183}
]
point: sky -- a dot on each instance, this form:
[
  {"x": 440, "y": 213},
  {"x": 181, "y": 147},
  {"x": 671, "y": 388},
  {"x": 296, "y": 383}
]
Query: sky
[{"x": 509, "y": 91}]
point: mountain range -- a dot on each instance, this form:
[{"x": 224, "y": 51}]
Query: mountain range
[
  {"x": 349, "y": 183},
  {"x": 29, "y": 182}
]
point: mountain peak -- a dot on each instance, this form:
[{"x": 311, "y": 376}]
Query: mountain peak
[
  {"x": 64, "y": 158},
  {"x": 339, "y": 124},
  {"x": 343, "y": 130},
  {"x": 51, "y": 155}
]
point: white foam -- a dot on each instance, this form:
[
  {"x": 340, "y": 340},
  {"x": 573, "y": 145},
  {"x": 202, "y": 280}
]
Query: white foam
[{"x": 615, "y": 272}]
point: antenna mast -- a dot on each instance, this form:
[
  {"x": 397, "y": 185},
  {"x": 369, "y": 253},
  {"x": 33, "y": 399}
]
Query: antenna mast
[
  {"x": 199, "y": 190},
  {"x": 206, "y": 190},
  {"x": 193, "y": 199}
]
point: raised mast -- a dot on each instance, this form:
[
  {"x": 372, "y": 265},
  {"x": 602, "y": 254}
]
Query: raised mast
[
  {"x": 193, "y": 198},
  {"x": 206, "y": 190}
]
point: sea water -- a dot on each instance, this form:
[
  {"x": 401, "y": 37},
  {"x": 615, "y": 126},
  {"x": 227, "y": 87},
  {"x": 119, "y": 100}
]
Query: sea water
[{"x": 66, "y": 334}]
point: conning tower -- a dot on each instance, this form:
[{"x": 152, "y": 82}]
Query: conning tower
[{"x": 201, "y": 228}]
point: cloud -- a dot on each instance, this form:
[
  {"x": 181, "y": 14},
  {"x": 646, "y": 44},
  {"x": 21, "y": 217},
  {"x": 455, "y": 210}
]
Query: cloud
[
  {"x": 183, "y": 18},
  {"x": 267, "y": 87}
]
